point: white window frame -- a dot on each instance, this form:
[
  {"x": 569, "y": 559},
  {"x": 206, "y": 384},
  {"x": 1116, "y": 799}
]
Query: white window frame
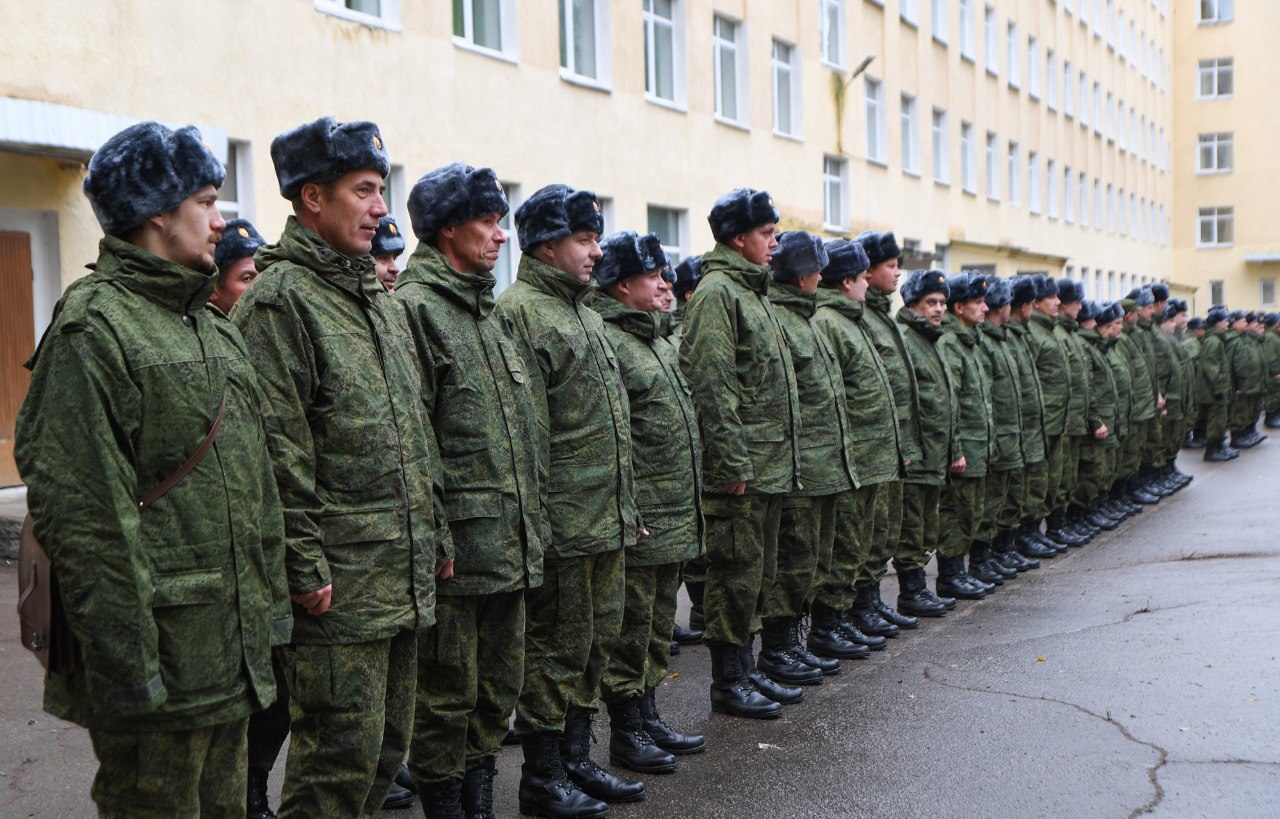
[
  {"x": 909, "y": 122},
  {"x": 1111, "y": 209},
  {"x": 967, "y": 30},
  {"x": 991, "y": 41},
  {"x": 1014, "y": 54},
  {"x": 1099, "y": 113},
  {"x": 1033, "y": 68},
  {"x": 680, "y": 248},
  {"x": 1216, "y": 217},
  {"x": 1265, "y": 283},
  {"x": 509, "y": 253},
  {"x": 991, "y": 152},
  {"x": 1051, "y": 80},
  {"x": 1099, "y": 206},
  {"x": 938, "y": 20},
  {"x": 1068, "y": 195},
  {"x": 839, "y": 62},
  {"x": 1217, "y": 289},
  {"x": 679, "y": 56},
  {"x": 599, "y": 45},
  {"x": 1015, "y": 174},
  {"x": 909, "y": 11},
  {"x": 968, "y": 169},
  {"x": 876, "y": 116},
  {"x": 508, "y": 32},
  {"x": 1051, "y": 188},
  {"x": 239, "y": 163},
  {"x": 786, "y": 74},
  {"x": 941, "y": 147},
  {"x": 737, "y": 46},
  {"x": 388, "y": 15},
  {"x": 1068, "y": 90},
  {"x": 1215, "y": 68},
  {"x": 1216, "y": 12},
  {"x": 1082, "y": 203},
  {"x": 835, "y": 190},
  {"x": 1033, "y": 183},
  {"x": 1213, "y": 145}
]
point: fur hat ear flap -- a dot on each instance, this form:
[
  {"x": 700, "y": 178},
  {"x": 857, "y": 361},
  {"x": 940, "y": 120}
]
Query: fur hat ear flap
[
  {"x": 688, "y": 274},
  {"x": 649, "y": 249},
  {"x": 146, "y": 170},
  {"x": 845, "y": 260},
  {"x": 387, "y": 240},
  {"x": 799, "y": 254},
  {"x": 323, "y": 150},
  {"x": 584, "y": 212},
  {"x": 239, "y": 239},
  {"x": 739, "y": 211}
]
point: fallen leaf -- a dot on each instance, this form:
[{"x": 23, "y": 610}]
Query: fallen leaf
[{"x": 1039, "y": 659}]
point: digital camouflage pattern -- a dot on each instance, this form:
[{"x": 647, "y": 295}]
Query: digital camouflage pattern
[
  {"x": 887, "y": 336},
  {"x": 736, "y": 359},
  {"x": 1213, "y": 370},
  {"x": 1103, "y": 392},
  {"x": 742, "y": 560},
  {"x": 643, "y": 651},
  {"x": 884, "y": 535},
  {"x": 476, "y": 395},
  {"x": 806, "y": 536},
  {"x": 1067, "y": 332},
  {"x": 1005, "y": 389},
  {"x": 1122, "y": 377},
  {"x": 837, "y": 573},
  {"x": 1248, "y": 370},
  {"x": 1052, "y": 366},
  {"x": 937, "y": 397},
  {"x": 1144, "y": 385},
  {"x": 959, "y": 350},
  {"x": 920, "y": 533},
  {"x": 353, "y": 452},
  {"x": 1032, "y": 396},
  {"x": 1271, "y": 354},
  {"x": 176, "y": 607}
]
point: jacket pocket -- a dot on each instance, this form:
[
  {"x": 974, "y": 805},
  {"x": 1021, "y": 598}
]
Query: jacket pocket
[
  {"x": 192, "y": 635},
  {"x": 730, "y": 536},
  {"x": 360, "y": 525},
  {"x": 473, "y": 503},
  {"x": 515, "y": 366}
]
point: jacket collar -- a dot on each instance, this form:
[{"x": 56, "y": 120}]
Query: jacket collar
[
  {"x": 304, "y": 247},
  {"x": 636, "y": 322},
  {"x": 967, "y": 335},
  {"x": 165, "y": 283},
  {"x": 555, "y": 282},
  {"x": 794, "y": 299},
  {"x": 850, "y": 309},
  {"x": 878, "y": 302},
  {"x": 1043, "y": 320},
  {"x": 992, "y": 330},
  {"x": 722, "y": 259},
  {"x": 429, "y": 267},
  {"x": 919, "y": 323}
]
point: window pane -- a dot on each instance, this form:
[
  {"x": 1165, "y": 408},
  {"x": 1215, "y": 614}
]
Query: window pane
[
  {"x": 1226, "y": 158},
  {"x": 373, "y": 7},
  {"x": 664, "y": 75},
  {"x": 728, "y": 84},
  {"x": 487, "y": 23},
  {"x": 1226, "y": 75},
  {"x": 584, "y": 38},
  {"x": 230, "y": 190},
  {"x": 459, "y": 19},
  {"x": 1225, "y": 225}
]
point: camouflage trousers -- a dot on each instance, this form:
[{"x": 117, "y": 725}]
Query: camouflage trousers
[
  {"x": 805, "y": 539},
  {"x": 1271, "y": 402},
  {"x": 1129, "y": 461},
  {"x": 1215, "y": 421},
  {"x": 1035, "y": 487},
  {"x": 919, "y": 526},
  {"x": 1070, "y": 470},
  {"x": 1054, "y": 452},
  {"x": 162, "y": 774},
  {"x": 694, "y": 571},
  {"x": 742, "y": 557},
  {"x": 1097, "y": 472},
  {"x": 995, "y": 492},
  {"x": 1175, "y": 435},
  {"x": 885, "y": 534},
  {"x": 854, "y": 518},
  {"x": 640, "y": 658},
  {"x": 1153, "y": 450},
  {"x": 960, "y": 514},
  {"x": 351, "y": 710},
  {"x": 470, "y": 670},
  {"x": 572, "y": 625},
  {"x": 1245, "y": 410},
  {"x": 269, "y": 727}
]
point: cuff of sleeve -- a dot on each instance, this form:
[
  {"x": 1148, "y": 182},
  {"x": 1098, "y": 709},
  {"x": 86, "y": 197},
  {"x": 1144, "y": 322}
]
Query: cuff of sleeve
[
  {"x": 139, "y": 699},
  {"x": 317, "y": 576},
  {"x": 281, "y": 631},
  {"x": 444, "y": 545}
]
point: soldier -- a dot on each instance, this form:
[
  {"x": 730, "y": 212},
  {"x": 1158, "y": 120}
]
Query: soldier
[
  {"x": 234, "y": 258},
  {"x": 1098, "y": 450},
  {"x": 1271, "y": 354},
  {"x": 1180, "y": 393},
  {"x": 873, "y": 615},
  {"x": 1146, "y": 400},
  {"x": 808, "y": 529},
  {"x": 1163, "y": 479},
  {"x": 873, "y": 447},
  {"x": 668, "y": 455},
  {"x": 1247, "y": 379},
  {"x": 1192, "y": 341},
  {"x": 575, "y": 616},
  {"x": 924, "y": 295},
  {"x": 688, "y": 274},
  {"x": 356, "y": 465},
  {"x": 174, "y": 609},
  {"x": 1213, "y": 384},
  {"x": 997, "y": 555},
  {"x": 387, "y": 245},
  {"x": 693, "y": 574},
  {"x": 1066, "y": 332},
  {"x": 476, "y": 394},
  {"x": 1109, "y": 328},
  {"x": 963, "y": 498},
  {"x": 1151, "y": 301},
  {"x": 1032, "y": 487},
  {"x": 736, "y": 358}
]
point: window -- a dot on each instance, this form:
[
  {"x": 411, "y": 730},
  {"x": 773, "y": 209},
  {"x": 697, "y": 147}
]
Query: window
[
  {"x": 968, "y": 172},
  {"x": 835, "y": 173},
  {"x": 1217, "y": 227},
  {"x": 376, "y": 13},
  {"x": 909, "y": 11},
  {"x": 509, "y": 251},
  {"x": 669, "y": 224},
  {"x": 1215, "y": 154},
  {"x": 1099, "y": 206},
  {"x": 1111, "y": 209},
  {"x": 1015, "y": 174},
  {"x": 786, "y": 89},
  {"x": 1068, "y": 90},
  {"x": 1082, "y": 200},
  {"x": 1083, "y": 117},
  {"x": 1217, "y": 11},
  {"x": 1267, "y": 292},
  {"x": 1128, "y": 215},
  {"x": 1068, "y": 196},
  {"x": 1099, "y": 16},
  {"x": 1033, "y": 182},
  {"x": 990, "y": 41},
  {"x": 1217, "y": 292},
  {"x": 939, "y": 20},
  {"x": 966, "y": 29},
  {"x": 729, "y": 69},
  {"x": 832, "y": 25},
  {"x": 941, "y": 154},
  {"x": 607, "y": 215},
  {"x": 664, "y": 51},
  {"x": 910, "y": 136},
  {"x": 875, "y": 120},
  {"x": 1051, "y": 175},
  {"x": 485, "y": 25},
  {"x": 1015, "y": 56},
  {"x": 1099, "y": 115},
  {"x": 1217, "y": 78},
  {"x": 1111, "y": 117},
  {"x": 1051, "y": 80},
  {"x": 993, "y": 167},
  {"x": 1033, "y": 68},
  {"x": 235, "y": 197},
  {"x": 584, "y": 40}
]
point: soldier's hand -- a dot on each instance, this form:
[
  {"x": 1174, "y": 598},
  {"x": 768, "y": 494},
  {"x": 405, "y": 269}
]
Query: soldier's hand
[
  {"x": 1101, "y": 432},
  {"x": 446, "y": 571},
  {"x": 734, "y": 488},
  {"x": 958, "y": 465},
  {"x": 1159, "y": 401},
  {"x": 317, "y": 602},
  {"x": 644, "y": 533}
]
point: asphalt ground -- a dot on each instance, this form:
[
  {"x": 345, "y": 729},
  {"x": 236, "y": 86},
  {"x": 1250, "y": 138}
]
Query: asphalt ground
[{"x": 1137, "y": 674}]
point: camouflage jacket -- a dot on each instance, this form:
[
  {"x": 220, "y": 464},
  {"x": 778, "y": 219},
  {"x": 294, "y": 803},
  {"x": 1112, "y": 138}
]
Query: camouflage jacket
[
  {"x": 665, "y": 444},
  {"x": 175, "y": 607},
  {"x": 871, "y": 424},
  {"x": 1213, "y": 370},
  {"x": 353, "y": 452},
  {"x": 1271, "y": 356},
  {"x": 1052, "y": 367},
  {"x": 1033, "y": 438},
  {"x": 1177, "y": 388},
  {"x": 476, "y": 394},
  {"x": 974, "y": 428},
  {"x": 1122, "y": 376},
  {"x": 825, "y": 466},
  {"x": 1149, "y": 339},
  {"x": 1102, "y": 391},
  {"x": 887, "y": 336},
  {"x": 1144, "y": 384},
  {"x": 744, "y": 387},
  {"x": 1005, "y": 389},
  {"x": 1247, "y": 368},
  {"x": 937, "y": 397},
  {"x": 1067, "y": 331},
  {"x": 581, "y": 407}
]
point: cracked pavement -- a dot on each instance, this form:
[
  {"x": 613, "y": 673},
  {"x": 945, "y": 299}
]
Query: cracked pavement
[{"x": 1137, "y": 675}]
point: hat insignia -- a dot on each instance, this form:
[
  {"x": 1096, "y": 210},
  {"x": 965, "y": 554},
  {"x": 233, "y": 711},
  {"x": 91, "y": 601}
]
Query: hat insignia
[
  {"x": 498, "y": 185},
  {"x": 391, "y": 226},
  {"x": 596, "y": 205},
  {"x": 244, "y": 232},
  {"x": 770, "y": 203},
  {"x": 377, "y": 143}
]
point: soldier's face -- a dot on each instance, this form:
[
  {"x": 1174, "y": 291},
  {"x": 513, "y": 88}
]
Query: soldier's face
[
  {"x": 648, "y": 292},
  {"x": 190, "y": 232},
  {"x": 1147, "y": 311},
  {"x": 884, "y": 276},
  {"x": 473, "y": 246},
  {"x": 575, "y": 254},
  {"x": 757, "y": 246},
  {"x": 1049, "y": 305},
  {"x": 1070, "y": 308},
  {"x": 809, "y": 284},
  {"x": 971, "y": 312},
  {"x": 232, "y": 283},
  {"x": 387, "y": 269},
  {"x": 933, "y": 307},
  {"x": 999, "y": 315},
  {"x": 668, "y": 299},
  {"x": 855, "y": 287},
  {"x": 346, "y": 213},
  {"x": 1111, "y": 329}
]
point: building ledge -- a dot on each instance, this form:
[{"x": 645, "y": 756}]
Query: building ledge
[{"x": 66, "y": 132}]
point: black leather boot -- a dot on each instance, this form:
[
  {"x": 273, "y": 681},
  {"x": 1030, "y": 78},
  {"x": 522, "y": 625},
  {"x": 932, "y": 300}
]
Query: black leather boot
[
  {"x": 477, "y": 790},
  {"x": 1242, "y": 439},
  {"x": 992, "y": 562},
  {"x": 776, "y": 660},
  {"x": 1031, "y": 546},
  {"x": 1195, "y": 440},
  {"x": 402, "y": 791},
  {"x": 795, "y": 644},
  {"x": 685, "y": 637},
  {"x": 1005, "y": 550},
  {"x": 827, "y": 638},
  {"x": 912, "y": 598},
  {"x": 1272, "y": 420},
  {"x": 1056, "y": 528},
  {"x": 776, "y": 691},
  {"x": 951, "y": 580},
  {"x": 867, "y": 619},
  {"x": 663, "y": 735},
  {"x": 731, "y": 691},
  {"x": 442, "y": 800},
  {"x": 1217, "y": 451},
  {"x": 545, "y": 788},
  {"x": 888, "y": 612},
  {"x": 697, "y": 618},
  {"x": 256, "y": 805},
  {"x": 596, "y": 782},
  {"x": 849, "y": 628},
  {"x": 630, "y": 746},
  {"x": 979, "y": 569}
]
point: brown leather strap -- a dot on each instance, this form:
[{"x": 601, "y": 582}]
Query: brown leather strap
[{"x": 173, "y": 480}]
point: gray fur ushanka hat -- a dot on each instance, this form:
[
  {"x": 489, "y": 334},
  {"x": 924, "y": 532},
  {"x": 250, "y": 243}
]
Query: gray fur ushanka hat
[
  {"x": 740, "y": 210},
  {"x": 323, "y": 150},
  {"x": 554, "y": 212},
  {"x": 799, "y": 254},
  {"x": 923, "y": 282},
  {"x": 880, "y": 247},
  {"x": 387, "y": 240},
  {"x": 845, "y": 260},
  {"x": 239, "y": 239},
  {"x": 454, "y": 194},
  {"x": 627, "y": 255},
  {"x": 688, "y": 274}
]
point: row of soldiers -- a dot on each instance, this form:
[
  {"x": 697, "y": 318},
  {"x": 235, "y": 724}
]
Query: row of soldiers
[
  {"x": 1236, "y": 359},
  {"x": 426, "y": 508}
]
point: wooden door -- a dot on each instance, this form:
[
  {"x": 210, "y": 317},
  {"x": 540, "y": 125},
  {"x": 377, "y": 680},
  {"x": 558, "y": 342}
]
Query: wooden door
[{"x": 17, "y": 341}]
